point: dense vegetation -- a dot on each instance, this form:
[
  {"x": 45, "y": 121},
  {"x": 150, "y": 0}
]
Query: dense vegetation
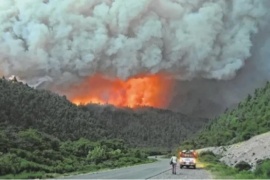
[
  {"x": 250, "y": 118},
  {"x": 222, "y": 171},
  {"x": 42, "y": 134},
  {"x": 50, "y": 113},
  {"x": 31, "y": 154}
]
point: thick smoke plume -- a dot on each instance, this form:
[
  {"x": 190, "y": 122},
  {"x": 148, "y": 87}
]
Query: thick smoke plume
[
  {"x": 203, "y": 97},
  {"x": 62, "y": 42}
]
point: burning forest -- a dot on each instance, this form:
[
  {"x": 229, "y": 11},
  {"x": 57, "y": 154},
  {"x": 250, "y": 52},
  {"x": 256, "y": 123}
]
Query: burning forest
[
  {"x": 142, "y": 90},
  {"x": 160, "y": 53}
]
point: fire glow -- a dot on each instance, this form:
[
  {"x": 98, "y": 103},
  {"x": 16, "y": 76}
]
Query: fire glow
[{"x": 143, "y": 90}]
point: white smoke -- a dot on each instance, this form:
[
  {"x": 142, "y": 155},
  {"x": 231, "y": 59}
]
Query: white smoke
[
  {"x": 54, "y": 44},
  {"x": 34, "y": 83},
  {"x": 68, "y": 40}
]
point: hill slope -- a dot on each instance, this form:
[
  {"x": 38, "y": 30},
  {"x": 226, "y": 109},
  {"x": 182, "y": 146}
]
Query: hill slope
[
  {"x": 250, "y": 118},
  {"x": 24, "y": 107},
  {"x": 246, "y": 151},
  {"x": 29, "y": 154}
]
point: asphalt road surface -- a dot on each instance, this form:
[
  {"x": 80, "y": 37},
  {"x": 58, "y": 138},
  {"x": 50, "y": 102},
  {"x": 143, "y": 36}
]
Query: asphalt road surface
[{"x": 157, "y": 170}]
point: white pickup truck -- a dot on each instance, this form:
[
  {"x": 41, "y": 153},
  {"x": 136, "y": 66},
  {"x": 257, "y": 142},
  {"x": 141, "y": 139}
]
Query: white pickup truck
[{"x": 187, "y": 159}]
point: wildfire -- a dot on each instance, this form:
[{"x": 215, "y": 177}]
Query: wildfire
[{"x": 143, "y": 90}]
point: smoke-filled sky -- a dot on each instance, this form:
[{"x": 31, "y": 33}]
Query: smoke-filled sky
[{"x": 209, "y": 46}]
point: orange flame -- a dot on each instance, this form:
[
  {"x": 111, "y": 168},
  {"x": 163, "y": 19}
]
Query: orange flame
[{"x": 143, "y": 90}]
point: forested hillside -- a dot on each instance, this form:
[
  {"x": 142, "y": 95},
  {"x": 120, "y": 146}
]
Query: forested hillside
[
  {"x": 24, "y": 107},
  {"x": 251, "y": 117},
  {"x": 32, "y": 154},
  {"x": 146, "y": 126}
]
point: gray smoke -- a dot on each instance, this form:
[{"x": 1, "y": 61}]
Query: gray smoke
[
  {"x": 210, "y": 97},
  {"x": 199, "y": 42}
]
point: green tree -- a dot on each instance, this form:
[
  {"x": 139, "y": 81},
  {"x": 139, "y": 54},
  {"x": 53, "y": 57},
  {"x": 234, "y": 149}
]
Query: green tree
[{"x": 97, "y": 155}]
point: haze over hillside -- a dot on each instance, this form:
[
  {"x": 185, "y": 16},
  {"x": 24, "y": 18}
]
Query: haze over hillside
[{"x": 214, "y": 51}]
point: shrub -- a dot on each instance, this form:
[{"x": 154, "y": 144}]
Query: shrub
[
  {"x": 33, "y": 154},
  {"x": 243, "y": 166},
  {"x": 204, "y": 153},
  {"x": 263, "y": 169},
  {"x": 9, "y": 164},
  {"x": 208, "y": 156}
]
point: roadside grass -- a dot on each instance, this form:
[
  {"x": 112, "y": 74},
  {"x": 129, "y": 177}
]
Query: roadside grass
[
  {"x": 27, "y": 175},
  {"x": 220, "y": 170},
  {"x": 85, "y": 170}
]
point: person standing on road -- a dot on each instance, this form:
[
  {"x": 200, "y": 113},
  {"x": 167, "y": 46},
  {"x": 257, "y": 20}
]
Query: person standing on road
[{"x": 173, "y": 162}]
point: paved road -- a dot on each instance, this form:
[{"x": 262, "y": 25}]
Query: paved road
[
  {"x": 157, "y": 170},
  {"x": 198, "y": 173}
]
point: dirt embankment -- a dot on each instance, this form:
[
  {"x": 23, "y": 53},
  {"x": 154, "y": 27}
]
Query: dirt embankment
[{"x": 252, "y": 151}]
